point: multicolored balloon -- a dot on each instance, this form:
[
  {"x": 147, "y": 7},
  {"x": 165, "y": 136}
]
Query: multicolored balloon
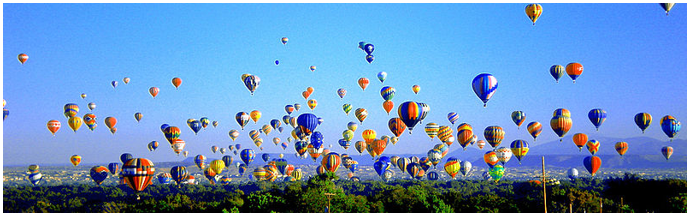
[
  {"x": 416, "y": 89},
  {"x": 557, "y": 71},
  {"x": 621, "y": 148},
  {"x": 665, "y": 6},
  {"x": 98, "y": 174},
  {"x": 574, "y": 70},
  {"x": 592, "y": 164},
  {"x": 519, "y": 149},
  {"x": 643, "y": 121},
  {"x": 252, "y": 82},
  {"x": 597, "y": 117},
  {"x": 534, "y": 128},
  {"x": 494, "y": 135},
  {"x": 138, "y": 116},
  {"x": 242, "y": 119},
  {"x": 341, "y": 92},
  {"x": 561, "y": 125},
  {"x": 518, "y": 118},
  {"x": 138, "y": 173},
  {"x": 361, "y": 114},
  {"x": 533, "y": 12},
  {"x": 484, "y": 86},
  {"x": 410, "y": 113},
  {"x": 497, "y": 172},
  {"x": 381, "y": 76},
  {"x": 670, "y": 126},
  {"x": 23, "y": 57},
  {"x": 667, "y": 151}
]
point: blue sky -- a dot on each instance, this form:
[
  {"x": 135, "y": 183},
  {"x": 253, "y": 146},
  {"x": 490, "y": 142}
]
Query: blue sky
[{"x": 633, "y": 55}]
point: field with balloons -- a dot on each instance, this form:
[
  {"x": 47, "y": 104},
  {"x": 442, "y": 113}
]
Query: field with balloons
[{"x": 359, "y": 115}]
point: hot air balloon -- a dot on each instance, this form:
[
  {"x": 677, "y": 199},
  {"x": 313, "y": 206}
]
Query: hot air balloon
[
  {"x": 388, "y": 106},
  {"x": 381, "y": 76},
  {"x": 432, "y": 130},
  {"x": 178, "y": 145},
  {"x": 233, "y": 134},
  {"x": 387, "y": 93},
  {"x": 665, "y": 6},
  {"x": 464, "y": 137},
  {"x": 75, "y": 160},
  {"x": 252, "y": 82},
  {"x": 176, "y": 81},
  {"x": 452, "y": 167},
  {"x": 138, "y": 116},
  {"x": 494, "y": 135},
  {"x": 35, "y": 178},
  {"x": 484, "y": 86},
  {"x": 592, "y": 163},
  {"x": 643, "y": 120},
  {"x": 200, "y": 161},
  {"x": 378, "y": 146},
  {"x": 497, "y": 172},
  {"x": 465, "y": 167},
  {"x": 125, "y": 157},
  {"x": 154, "y": 91},
  {"x": 313, "y": 68},
  {"x": 331, "y": 162},
  {"x": 557, "y": 71},
  {"x": 561, "y": 125},
  {"x": 265, "y": 157},
  {"x": 179, "y": 174},
  {"x": 369, "y": 135},
  {"x": 138, "y": 173},
  {"x": 242, "y": 119},
  {"x": 75, "y": 123},
  {"x": 452, "y": 117},
  {"x": 307, "y": 123},
  {"x": 518, "y": 117},
  {"x": 621, "y": 148},
  {"x": 503, "y": 154},
  {"x": 126, "y": 80},
  {"x": 152, "y": 145},
  {"x": 360, "y": 146},
  {"x": 670, "y": 126},
  {"x": 284, "y": 40},
  {"x": 533, "y": 11},
  {"x": 217, "y": 166},
  {"x": 380, "y": 167},
  {"x": 83, "y": 96},
  {"x": 410, "y": 113},
  {"x": 215, "y": 124},
  {"x": 369, "y": 58},
  {"x": 247, "y": 156},
  {"x": 211, "y": 175},
  {"x": 667, "y": 151},
  {"x": 519, "y": 148},
  {"x": 98, "y": 174},
  {"x": 91, "y": 106},
  {"x": 23, "y": 57},
  {"x": 580, "y": 140},
  {"x": 363, "y": 82},
  {"x": 444, "y": 133},
  {"x": 70, "y": 110},
  {"x": 416, "y": 89},
  {"x": 312, "y": 103},
  {"x": 396, "y": 126},
  {"x": 434, "y": 156},
  {"x": 297, "y": 106},
  {"x": 593, "y": 146},
  {"x": 114, "y": 84},
  {"x": 341, "y": 92},
  {"x": 572, "y": 173},
  {"x": 255, "y": 115},
  {"x": 110, "y": 122},
  {"x": 574, "y": 70},
  {"x": 276, "y": 62},
  {"x": 597, "y": 117},
  {"x": 490, "y": 158},
  {"x": 204, "y": 122},
  {"x": 53, "y": 126},
  {"x": 361, "y": 114},
  {"x": 113, "y": 168},
  {"x": 195, "y": 126},
  {"x": 534, "y": 128},
  {"x": 242, "y": 168},
  {"x": 481, "y": 144},
  {"x": 164, "y": 178}
]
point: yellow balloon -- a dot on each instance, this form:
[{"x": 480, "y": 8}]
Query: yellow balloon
[
  {"x": 217, "y": 166},
  {"x": 369, "y": 135},
  {"x": 75, "y": 123},
  {"x": 255, "y": 115}
]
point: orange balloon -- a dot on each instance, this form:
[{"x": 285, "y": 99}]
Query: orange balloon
[
  {"x": 53, "y": 126},
  {"x": 22, "y": 58},
  {"x": 310, "y": 89},
  {"x": 153, "y": 91},
  {"x": 369, "y": 135},
  {"x": 580, "y": 140},
  {"x": 306, "y": 94},
  {"x": 363, "y": 82},
  {"x": 176, "y": 81},
  {"x": 110, "y": 122},
  {"x": 574, "y": 70},
  {"x": 388, "y": 105},
  {"x": 378, "y": 146}
]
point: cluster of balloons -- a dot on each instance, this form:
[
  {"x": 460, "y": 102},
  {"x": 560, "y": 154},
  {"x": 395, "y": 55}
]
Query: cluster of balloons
[{"x": 367, "y": 48}]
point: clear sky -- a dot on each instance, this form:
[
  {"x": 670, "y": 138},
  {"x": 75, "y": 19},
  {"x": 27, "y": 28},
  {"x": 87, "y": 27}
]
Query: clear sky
[{"x": 633, "y": 55}]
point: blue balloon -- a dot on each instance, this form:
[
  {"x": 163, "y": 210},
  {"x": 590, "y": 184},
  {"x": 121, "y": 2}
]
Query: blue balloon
[
  {"x": 114, "y": 168},
  {"x": 484, "y": 86},
  {"x": 281, "y": 129},
  {"x": 433, "y": 176},
  {"x": 164, "y": 179},
  {"x": 345, "y": 144},
  {"x": 195, "y": 126},
  {"x": 381, "y": 167},
  {"x": 163, "y": 127},
  {"x": 265, "y": 157},
  {"x": 316, "y": 139},
  {"x": 369, "y": 58},
  {"x": 247, "y": 155},
  {"x": 369, "y": 48},
  {"x": 319, "y": 120},
  {"x": 126, "y": 157},
  {"x": 242, "y": 169},
  {"x": 385, "y": 159},
  {"x": 5, "y": 113},
  {"x": 307, "y": 123},
  {"x": 276, "y": 62}
]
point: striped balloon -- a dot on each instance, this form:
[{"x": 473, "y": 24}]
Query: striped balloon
[
  {"x": 425, "y": 111},
  {"x": 667, "y": 151},
  {"x": 670, "y": 126},
  {"x": 410, "y": 113},
  {"x": 403, "y": 163},
  {"x": 347, "y": 108},
  {"x": 561, "y": 125},
  {"x": 259, "y": 173},
  {"x": 597, "y": 117},
  {"x": 621, "y": 148},
  {"x": 425, "y": 163},
  {"x": 432, "y": 130},
  {"x": 444, "y": 133},
  {"x": 331, "y": 162},
  {"x": 592, "y": 164},
  {"x": 71, "y": 110},
  {"x": 534, "y": 128},
  {"x": 518, "y": 118},
  {"x": 490, "y": 158},
  {"x": 252, "y": 82},
  {"x": 494, "y": 135},
  {"x": 574, "y": 70},
  {"x": 557, "y": 72},
  {"x": 138, "y": 173},
  {"x": 341, "y": 92},
  {"x": 519, "y": 149},
  {"x": 387, "y": 93},
  {"x": 484, "y": 86},
  {"x": 361, "y": 114},
  {"x": 643, "y": 120},
  {"x": 242, "y": 119},
  {"x": 452, "y": 167},
  {"x": 464, "y": 126},
  {"x": 452, "y": 117},
  {"x": 464, "y": 137}
]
